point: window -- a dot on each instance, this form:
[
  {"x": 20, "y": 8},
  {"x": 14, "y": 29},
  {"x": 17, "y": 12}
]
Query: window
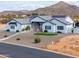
[
  {"x": 48, "y": 27},
  {"x": 60, "y": 27},
  {"x": 12, "y": 27}
]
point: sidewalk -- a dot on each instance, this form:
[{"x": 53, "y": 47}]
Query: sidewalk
[{"x": 12, "y": 36}]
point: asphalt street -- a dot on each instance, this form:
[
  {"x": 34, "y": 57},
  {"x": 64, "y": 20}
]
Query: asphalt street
[{"x": 15, "y": 51}]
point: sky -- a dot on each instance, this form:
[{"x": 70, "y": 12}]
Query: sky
[{"x": 28, "y": 5}]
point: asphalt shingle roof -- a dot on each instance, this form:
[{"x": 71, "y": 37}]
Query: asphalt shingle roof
[
  {"x": 22, "y": 21},
  {"x": 46, "y": 18},
  {"x": 61, "y": 19}
]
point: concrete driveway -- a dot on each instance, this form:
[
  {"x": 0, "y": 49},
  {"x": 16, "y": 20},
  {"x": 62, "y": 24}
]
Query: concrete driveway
[{"x": 15, "y": 51}]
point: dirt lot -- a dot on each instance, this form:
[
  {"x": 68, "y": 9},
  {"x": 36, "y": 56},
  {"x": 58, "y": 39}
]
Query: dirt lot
[{"x": 68, "y": 44}]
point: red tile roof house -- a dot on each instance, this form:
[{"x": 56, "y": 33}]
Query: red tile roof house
[{"x": 58, "y": 23}]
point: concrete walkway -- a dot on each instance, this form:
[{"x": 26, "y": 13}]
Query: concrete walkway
[{"x": 12, "y": 35}]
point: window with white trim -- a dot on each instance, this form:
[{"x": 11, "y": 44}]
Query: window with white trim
[
  {"x": 60, "y": 27},
  {"x": 12, "y": 27},
  {"x": 48, "y": 27}
]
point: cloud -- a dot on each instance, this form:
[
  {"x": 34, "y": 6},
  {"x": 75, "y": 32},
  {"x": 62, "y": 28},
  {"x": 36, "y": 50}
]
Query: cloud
[{"x": 28, "y": 5}]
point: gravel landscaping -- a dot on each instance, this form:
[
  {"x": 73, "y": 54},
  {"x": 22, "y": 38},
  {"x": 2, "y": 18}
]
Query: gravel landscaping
[
  {"x": 4, "y": 34},
  {"x": 29, "y": 37}
]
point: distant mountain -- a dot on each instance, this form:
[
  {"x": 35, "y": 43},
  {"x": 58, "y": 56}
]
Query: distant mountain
[
  {"x": 59, "y": 9},
  {"x": 20, "y": 12},
  {"x": 11, "y": 12}
]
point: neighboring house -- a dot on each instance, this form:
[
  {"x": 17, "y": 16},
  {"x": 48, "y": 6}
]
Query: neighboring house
[
  {"x": 56, "y": 23},
  {"x": 17, "y": 25}
]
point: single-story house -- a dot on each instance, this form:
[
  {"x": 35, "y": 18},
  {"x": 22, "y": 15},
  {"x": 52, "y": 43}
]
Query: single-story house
[
  {"x": 17, "y": 25},
  {"x": 57, "y": 23}
]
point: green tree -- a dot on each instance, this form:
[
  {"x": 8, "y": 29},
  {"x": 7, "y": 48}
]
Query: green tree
[{"x": 33, "y": 14}]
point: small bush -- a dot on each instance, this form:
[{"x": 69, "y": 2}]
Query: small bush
[
  {"x": 17, "y": 30},
  {"x": 27, "y": 28},
  {"x": 5, "y": 35},
  {"x": 34, "y": 14},
  {"x": 45, "y": 31},
  {"x": 37, "y": 40},
  {"x": 7, "y": 30},
  {"x": 18, "y": 39},
  {"x": 23, "y": 29},
  {"x": 59, "y": 32}
]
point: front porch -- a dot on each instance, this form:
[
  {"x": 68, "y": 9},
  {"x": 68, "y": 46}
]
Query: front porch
[{"x": 37, "y": 26}]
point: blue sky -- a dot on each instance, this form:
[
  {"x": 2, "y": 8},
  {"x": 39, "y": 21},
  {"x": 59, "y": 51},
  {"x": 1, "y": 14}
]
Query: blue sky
[{"x": 27, "y": 5}]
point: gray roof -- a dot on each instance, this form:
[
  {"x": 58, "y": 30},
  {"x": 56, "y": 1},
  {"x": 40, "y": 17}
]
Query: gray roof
[
  {"x": 22, "y": 21},
  {"x": 46, "y": 17},
  {"x": 61, "y": 19}
]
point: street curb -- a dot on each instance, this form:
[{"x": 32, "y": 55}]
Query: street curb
[{"x": 72, "y": 56}]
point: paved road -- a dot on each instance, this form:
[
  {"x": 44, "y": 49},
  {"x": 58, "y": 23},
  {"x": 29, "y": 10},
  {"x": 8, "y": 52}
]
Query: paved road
[{"x": 23, "y": 52}]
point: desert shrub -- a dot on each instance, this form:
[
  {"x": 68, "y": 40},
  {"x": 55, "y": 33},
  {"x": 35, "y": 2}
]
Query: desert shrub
[
  {"x": 5, "y": 35},
  {"x": 18, "y": 39},
  {"x": 34, "y": 14},
  {"x": 37, "y": 40},
  {"x": 59, "y": 32},
  {"x": 7, "y": 30},
  {"x": 17, "y": 30},
  {"x": 45, "y": 31},
  {"x": 27, "y": 28},
  {"x": 23, "y": 29}
]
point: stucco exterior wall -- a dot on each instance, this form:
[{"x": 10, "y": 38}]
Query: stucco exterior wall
[
  {"x": 18, "y": 27},
  {"x": 59, "y": 24},
  {"x": 49, "y": 24},
  {"x": 69, "y": 28}
]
